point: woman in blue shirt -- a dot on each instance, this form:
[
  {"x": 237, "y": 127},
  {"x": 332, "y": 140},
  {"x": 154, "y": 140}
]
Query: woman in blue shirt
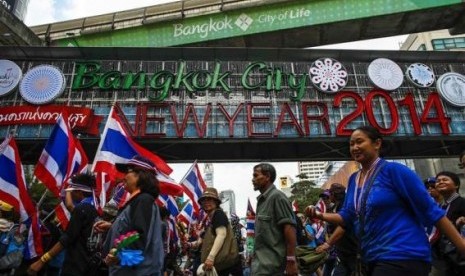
[{"x": 395, "y": 211}]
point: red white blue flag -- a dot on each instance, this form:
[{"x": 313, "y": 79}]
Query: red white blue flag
[
  {"x": 62, "y": 157},
  {"x": 194, "y": 186},
  {"x": 170, "y": 204},
  {"x": 187, "y": 214},
  {"x": 250, "y": 220},
  {"x": 295, "y": 206},
  {"x": 13, "y": 191},
  {"x": 120, "y": 196},
  {"x": 116, "y": 146},
  {"x": 63, "y": 215}
]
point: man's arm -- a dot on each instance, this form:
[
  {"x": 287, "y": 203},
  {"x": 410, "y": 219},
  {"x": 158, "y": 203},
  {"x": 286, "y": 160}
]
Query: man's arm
[
  {"x": 291, "y": 243},
  {"x": 39, "y": 264}
]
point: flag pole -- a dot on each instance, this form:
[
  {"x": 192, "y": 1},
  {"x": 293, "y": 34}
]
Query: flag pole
[
  {"x": 105, "y": 130},
  {"x": 42, "y": 198},
  {"x": 48, "y": 215},
  {"x": 188, "y": 171}
]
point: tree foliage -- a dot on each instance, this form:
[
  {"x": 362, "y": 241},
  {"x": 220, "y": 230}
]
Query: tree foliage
[{"x": 305, "y": 192}]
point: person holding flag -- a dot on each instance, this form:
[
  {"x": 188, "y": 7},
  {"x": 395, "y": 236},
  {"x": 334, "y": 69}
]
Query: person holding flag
[
  {"x": 140, "y": 214},
  {"x": 74, "y": 239},
  {"x": 13, "y": 191}
]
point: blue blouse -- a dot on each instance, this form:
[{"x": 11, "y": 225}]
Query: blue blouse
[{"x": 398, "y": 209}]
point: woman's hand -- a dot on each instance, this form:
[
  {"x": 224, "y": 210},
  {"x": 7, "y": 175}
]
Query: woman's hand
[
  {"x": 111, "y": 259},
  {"x": 324, "y": 247},
  {"x": 102, "y": 226},
  {"x": 35, "y": 267},
  {"x": 208, "y": 265},
  {"x": 312, "y": 212}
]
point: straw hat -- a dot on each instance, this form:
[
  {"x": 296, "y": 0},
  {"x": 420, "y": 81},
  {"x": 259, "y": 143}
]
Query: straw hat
[{"x": 210, "y": 192}]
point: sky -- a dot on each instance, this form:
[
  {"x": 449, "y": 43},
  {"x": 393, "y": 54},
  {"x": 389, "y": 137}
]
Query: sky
[{"x": 227, "y": 176}]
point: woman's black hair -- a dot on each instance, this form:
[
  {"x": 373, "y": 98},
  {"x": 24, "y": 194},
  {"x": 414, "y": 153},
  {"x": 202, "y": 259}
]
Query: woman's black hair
[
  {"x": 148, "y": 182},
  {"x": 374, "y": 135},
  {"x": 455, "y": 178}
]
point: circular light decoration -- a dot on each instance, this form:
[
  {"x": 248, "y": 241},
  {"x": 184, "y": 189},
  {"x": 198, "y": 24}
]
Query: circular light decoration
[
  {"x": 385, "y": 74},
  {"x": 328, "y": 75},
  {"x": 420, "y": 75},
  {"x": 10, "y": 75},
  {"x": 451, "y": 87},
  {"x": 42, "y": 84}
]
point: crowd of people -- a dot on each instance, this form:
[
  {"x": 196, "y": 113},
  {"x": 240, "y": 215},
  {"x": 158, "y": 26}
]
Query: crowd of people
[{"x": 385, "y": 221}]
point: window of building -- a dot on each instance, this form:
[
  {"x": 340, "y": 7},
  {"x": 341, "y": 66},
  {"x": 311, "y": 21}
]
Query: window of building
[
  {"x": 448, "y": 43},
  {"x": 422, "y": 47}
]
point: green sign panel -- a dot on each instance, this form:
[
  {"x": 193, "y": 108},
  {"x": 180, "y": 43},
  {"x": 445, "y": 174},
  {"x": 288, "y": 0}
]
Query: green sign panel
[{"x": 266, "y": 18}]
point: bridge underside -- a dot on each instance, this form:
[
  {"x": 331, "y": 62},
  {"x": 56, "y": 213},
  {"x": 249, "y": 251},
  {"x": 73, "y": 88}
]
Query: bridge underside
[
  {"x": 450, "y": 17},
  {"x": 231, "y": 150}
]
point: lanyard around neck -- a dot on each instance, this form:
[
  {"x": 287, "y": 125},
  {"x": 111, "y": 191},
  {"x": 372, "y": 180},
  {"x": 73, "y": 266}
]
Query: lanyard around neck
[{"x": 358, "y": 179}]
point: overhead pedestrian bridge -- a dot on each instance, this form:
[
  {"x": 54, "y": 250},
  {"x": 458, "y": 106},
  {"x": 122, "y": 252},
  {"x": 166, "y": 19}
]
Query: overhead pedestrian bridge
[{"x": 256, "y": 23}]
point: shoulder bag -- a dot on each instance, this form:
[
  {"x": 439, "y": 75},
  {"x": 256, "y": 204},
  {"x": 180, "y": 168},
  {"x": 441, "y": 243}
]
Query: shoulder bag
[{"x": 228, "y": 254}]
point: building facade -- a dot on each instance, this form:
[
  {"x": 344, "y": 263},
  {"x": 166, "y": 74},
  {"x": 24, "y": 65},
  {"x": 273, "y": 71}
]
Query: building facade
[
  {"x": 17, "y": 7},
  {"x": 313, "y": 169},
  {"x": 440, "y": 40},
  {"x": 228, "y": 204},
  {"x": 208, "y": 174}
]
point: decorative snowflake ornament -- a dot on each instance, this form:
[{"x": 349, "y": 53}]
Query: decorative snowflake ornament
[{"x": 328, "y": 75}]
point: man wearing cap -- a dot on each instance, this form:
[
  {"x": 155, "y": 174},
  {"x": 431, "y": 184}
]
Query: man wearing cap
[
  {"x": 74, "y": 239},
  {"x": 140, "y": 214},
  {"x": 275, "y": 234}
]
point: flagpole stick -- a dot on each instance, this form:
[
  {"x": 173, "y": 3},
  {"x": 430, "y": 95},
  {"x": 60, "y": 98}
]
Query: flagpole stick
[
  {"x": 42, "y": 198},
  {"x": 105, "y": 130},
  {"x": 49, "y": 215}
]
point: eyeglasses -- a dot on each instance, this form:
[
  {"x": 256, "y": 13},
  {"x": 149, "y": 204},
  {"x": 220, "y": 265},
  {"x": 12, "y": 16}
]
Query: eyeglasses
[{"x": 461, "y": 165}]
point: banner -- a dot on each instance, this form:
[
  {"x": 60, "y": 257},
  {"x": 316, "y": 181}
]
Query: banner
[{"x": 80, "y": 118}]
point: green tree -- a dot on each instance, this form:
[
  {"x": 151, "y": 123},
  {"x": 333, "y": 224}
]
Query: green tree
[
  {"x": 305, "y": 192},
  {"x": 36, "y": 190}
]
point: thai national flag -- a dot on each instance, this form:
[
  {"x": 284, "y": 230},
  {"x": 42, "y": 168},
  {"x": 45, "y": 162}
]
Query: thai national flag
[
  {"x": 194, "y": 186},
  {"x": 250, "y": 220},
  {"x": 321, "y": 206},
  {"x": 121, "y": 196},
  {"x": 187, "y": 214},
  {"x": 170, "y": 203},
  {"x": 13, "y": 191},
  {"x": 62, "y": 157},
  {"x": 63, "y": 215},
  {"x": 295, "y": 207},
  {"x": 116, "y": 146}
]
